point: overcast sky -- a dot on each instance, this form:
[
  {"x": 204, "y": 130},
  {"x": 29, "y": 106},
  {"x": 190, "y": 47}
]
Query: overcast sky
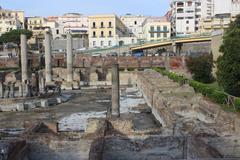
[{"x": 88, "y": 7}]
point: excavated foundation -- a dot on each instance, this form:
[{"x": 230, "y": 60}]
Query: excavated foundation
[{"x": 160, "y": 120}]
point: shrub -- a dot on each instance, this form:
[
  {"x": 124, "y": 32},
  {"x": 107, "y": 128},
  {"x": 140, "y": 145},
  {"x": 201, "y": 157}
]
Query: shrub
[
  {"x": 228, "y": 66},
  {"x": 201, "y": 68}
]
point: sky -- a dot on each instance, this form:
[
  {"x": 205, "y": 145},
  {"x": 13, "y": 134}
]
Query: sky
[{"x": 88, "y": 7}]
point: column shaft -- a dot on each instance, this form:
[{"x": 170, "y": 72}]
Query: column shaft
[
  {"x": 115, "y": 91},
  {"x": 69, "y": 58},
  {"x": 48, "y": 58},
  {"x": 24, "y": 59}
]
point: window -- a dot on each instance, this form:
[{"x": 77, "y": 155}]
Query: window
[
  {"x": 189, "y": 3},
  {"x": 133, "y": 41},
  {"x": 94, "y": 25},
  {"x": 110, "y": 33},
  {"x": 152, "y": 35},
  {"x": 135, "y": 22},
  {"x": 57, "y": 31},
  {"x": 158, "y": 28},
  {"x": 110, "y": 24},
  {"x": 158, "y": 35},
  {"x": 180, "y": 10},
  {"x": 164, "y": 35},
  {"x": 102, "y": 25},
  {"x": 165, "y": 29},
  {"x": 102, "y": 43},
  {"x": 187, "y": 22},
  {"x": 94, "y": 43},
  {"x": 109, "y": 43},
  {"x": 94, "y": 34},
  {"x": 152, "y": 28},
  {"x": 187, "y": 28},
  {"x": 102, "y": 34}
]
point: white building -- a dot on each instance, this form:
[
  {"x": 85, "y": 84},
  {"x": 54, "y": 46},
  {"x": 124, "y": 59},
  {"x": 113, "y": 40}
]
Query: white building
[
  {"x": 73, "y": 22},
  {"x": 186, "y": 15},
  {"x": 227, "y": 6},
  {"x": 156, "y": 29},
  {"x": 9, "y": 24},
  {"x": 10, "y": 20},
  {"x": 134, "y": 24}
]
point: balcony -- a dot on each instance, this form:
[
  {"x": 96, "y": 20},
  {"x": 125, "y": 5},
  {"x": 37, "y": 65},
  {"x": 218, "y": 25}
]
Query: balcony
[{"x": 158, "y": 31}]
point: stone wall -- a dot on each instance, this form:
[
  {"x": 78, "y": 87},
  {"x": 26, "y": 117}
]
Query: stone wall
[
  {"x": 86, "y": 61},
  {"x": 181, "y": 111}
]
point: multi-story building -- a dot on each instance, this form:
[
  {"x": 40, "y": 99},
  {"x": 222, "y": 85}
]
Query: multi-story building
[
  {"x": 73, "y": 22},
  {"x": 227, "y": 6},
  {"x": 186, "y": 15},
  {"x": 134, "y": 24},
  {"x": 156, "y": 28},
  {"x": 34, "y": 23},
  {"x": 10, "y": 20},
  {"x": 107, "y": 31},
  {"x": 219, "y": 22},
  {"x": 224, "y": 13}
]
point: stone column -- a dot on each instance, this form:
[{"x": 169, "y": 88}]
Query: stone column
[
  {"x": 1, "y": 90},
  {"x": 12, "y": 86},
  {"x": 167, "y": 61},
  {"x": 115, "y": 91},
  {"x": 20, "y": 90},
  {"x": 48, "y": 58},
  {"x": 41, "y": 83},
  {"x": 24, "y": 59},
  {"x": 174, "y": 45},
  {"x": 69, "y": 58},
  {"x": 183, "y": 61}
]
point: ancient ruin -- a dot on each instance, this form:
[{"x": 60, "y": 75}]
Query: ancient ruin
[{"x": 109, "y": 109}]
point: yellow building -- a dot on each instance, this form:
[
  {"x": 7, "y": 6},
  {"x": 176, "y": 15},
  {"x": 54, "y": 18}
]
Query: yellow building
[
  {"x": 107, "y": 31},
  {"x": 156, "y": 29},
  {"x": 35, "y": 22},
  {"x": 220, "y": 22}
]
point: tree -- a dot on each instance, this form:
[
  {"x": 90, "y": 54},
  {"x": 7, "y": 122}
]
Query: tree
[
  {"x": 228, "y": 65},
  {"x": 14, "y": 36},
  {"x": 201, "y": 68}
]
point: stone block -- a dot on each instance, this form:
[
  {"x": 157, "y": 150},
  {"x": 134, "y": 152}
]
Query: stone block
[
  {"x": 20, "y": 107},
  {"x": 44, "y": 103}
]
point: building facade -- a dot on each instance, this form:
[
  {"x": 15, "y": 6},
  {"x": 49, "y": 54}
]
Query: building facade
[
  {"x": 227, "y": 7},
  {"x": 75, "y": 23},
  {"x": 156, "y": 29},
  {"x": 186, "y": 15},
  {"x": 10, "y": 20},
  {"x": 108, "y": 31},
  {"x": 134, "y": 25},
  {"x": 224, "y": 13}
]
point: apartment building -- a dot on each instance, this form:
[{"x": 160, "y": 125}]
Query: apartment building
[
  {"x": 227, "y": 6},
  {"x": 75, "y": 23},
  {"x": 224, "y": 13},
  {"x": 108, "y": 30},
  {"x": 134, "y": 23},
  {"x": 156, "y": 29},
  {"x": 218, "y": 22},
  {"x": 10, "y": 20},
  {"x": 186, "y": 15}
]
